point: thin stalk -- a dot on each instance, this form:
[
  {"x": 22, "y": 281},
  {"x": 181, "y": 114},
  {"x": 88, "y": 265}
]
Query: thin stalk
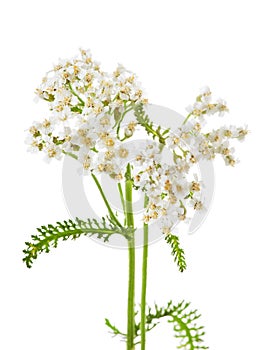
[
  {"x": 186, "y": 119},
  {"x": 111, "y": 213},
  {"x": 122, "y": 118},
  {"x": 122, "y": 199},
  {"x": 144, "y": 282},
  {"x": 131, "y": 250},
  {"x": 76, "y": 94}
]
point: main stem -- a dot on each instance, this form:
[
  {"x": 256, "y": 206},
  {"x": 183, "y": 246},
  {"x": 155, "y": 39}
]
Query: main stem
[
  {"x": 144, "y": 282},
  {"x": 131, "y": 250}
]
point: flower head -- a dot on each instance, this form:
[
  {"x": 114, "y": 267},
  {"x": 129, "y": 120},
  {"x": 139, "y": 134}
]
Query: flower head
[{"x": 87, "y": 110}]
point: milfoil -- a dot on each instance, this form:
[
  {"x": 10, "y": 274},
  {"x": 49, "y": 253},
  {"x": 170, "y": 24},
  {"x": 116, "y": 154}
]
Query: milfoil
[{"x": 93, "y": 116}]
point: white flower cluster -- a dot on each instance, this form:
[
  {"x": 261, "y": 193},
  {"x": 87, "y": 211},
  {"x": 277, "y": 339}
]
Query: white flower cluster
[
  {"x": 85, "y": 104},
  {"x": 87, "y": 110},
  {"x": 167, "y": 186}
]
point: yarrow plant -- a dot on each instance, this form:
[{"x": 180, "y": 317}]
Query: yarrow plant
[{"x": 92, "y": 117}]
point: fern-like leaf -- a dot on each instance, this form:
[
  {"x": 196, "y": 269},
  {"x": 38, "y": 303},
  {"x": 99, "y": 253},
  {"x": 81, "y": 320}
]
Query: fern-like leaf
[
  {"x": 114, "y": 330},
  {"x": 184, "y": 322},
  {"x": 49, "y": 236},
  {"x": 186, "y": 329},
  {"x": 177, "y": 251},
  {"x": 148, "y": 125},
  {"x": 182, "y": 318}
]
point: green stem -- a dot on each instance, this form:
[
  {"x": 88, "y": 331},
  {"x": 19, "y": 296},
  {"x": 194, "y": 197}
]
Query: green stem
[
  {"x": 122, "y": 199},
  {"x": 111, "y": 213},
  {"x": 144, "y": 282},
  {"x": 131, "y": 297},
  {"x": 186, "y": 119},
  {"x": 131, "y": 250},
  {"x": 121, "y": 119},
  {"x": 76, "y": 95}
]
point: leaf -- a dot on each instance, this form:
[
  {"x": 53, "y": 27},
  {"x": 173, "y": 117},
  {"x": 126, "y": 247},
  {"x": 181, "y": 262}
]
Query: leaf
[
  {"x": 76, "y": 109},
  {"x": 177, "y": 251},
  {"x": 114, "y": 329},
  {"x": 148, "y": 125},
  {"x": 183, "y": 319},
  {"x": 50, "y": 235}
]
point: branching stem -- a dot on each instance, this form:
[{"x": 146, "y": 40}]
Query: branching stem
[
  {"x": 122, "y": 199},
  {"x": 128, "y": 109},
  {"x": 186, "y": 119},
  {"x": 76, "y": 95},
  {"x": 111, "y": 213}
]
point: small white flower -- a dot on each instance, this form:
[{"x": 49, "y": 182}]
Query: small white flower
[
  {"x": 52, "y": 152},
  {"x": 221, "y": 107}
]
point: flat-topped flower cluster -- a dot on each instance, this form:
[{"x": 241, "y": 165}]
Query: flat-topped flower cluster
[{"x": 87, "y": 121}]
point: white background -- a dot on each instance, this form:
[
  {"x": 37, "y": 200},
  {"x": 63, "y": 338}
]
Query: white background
[{"x": 175, "y": 47}]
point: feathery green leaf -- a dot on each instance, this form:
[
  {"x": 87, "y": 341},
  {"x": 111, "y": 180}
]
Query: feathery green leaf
[
  {"x": 114, "y": 329},
  {"x": 50, "y": 235},
  {"x": 177, "y": 251},
  {"x": 185, "y": 327},
  {"x": 148, "y": 125}
]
